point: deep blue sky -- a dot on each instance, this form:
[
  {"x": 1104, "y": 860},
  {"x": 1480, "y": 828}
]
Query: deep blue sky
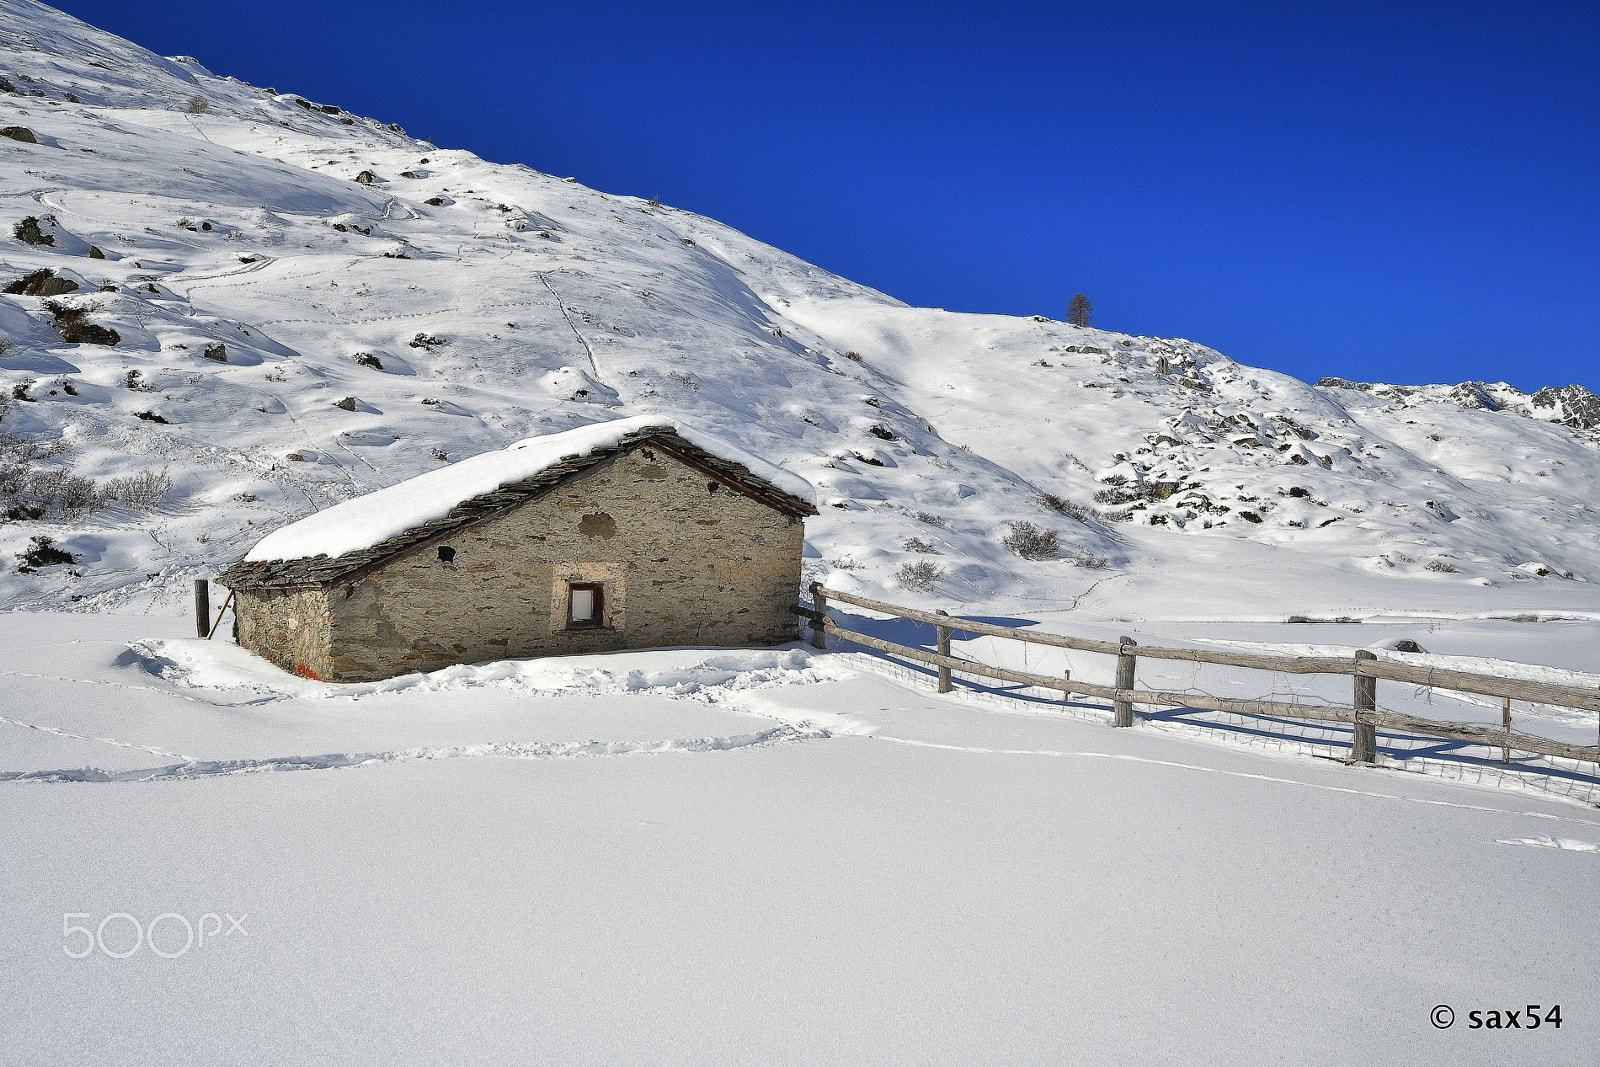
[{"x": 1390, "y": 191}]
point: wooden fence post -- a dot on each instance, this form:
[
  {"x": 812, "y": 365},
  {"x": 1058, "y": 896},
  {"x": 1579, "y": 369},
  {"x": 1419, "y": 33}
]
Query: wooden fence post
[
  {"x": 943, "y": 633},
  {"x": 819, "y": 602},
  {"x": 1505, "y": 721},
  {"x": 1122, "y": 710},
  {"x": 1364, "y": 738},
  {"x": 202, "y": 607}
]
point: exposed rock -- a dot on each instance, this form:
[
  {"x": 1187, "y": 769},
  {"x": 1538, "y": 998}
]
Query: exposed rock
[
  {"x": 19, "y": 133},
  {"x": 75, "y": 327},
  {"x": 95, "y": 253},
  {"x": 28, "y": 232},
  {"x": 1472, "y": 395},
  {"x": 217, "y": 351},
  {"x": 41, "y": 282},
  {"x": 366, "y": 177},
  {"x": 87, "y": 333},
  {"x": 1572, "y": 405},
  {"x": 348, "y": 403}
]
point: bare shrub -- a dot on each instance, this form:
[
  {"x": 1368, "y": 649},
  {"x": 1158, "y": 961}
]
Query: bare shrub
[
  {"x": 25, "y": 450},
  {"x": 198, "y": 105},
  {"x": 1134, "y": 493},
  {"x": 931, "y": 520},
  {"x": 1032, "y": 542},
  {"x": 1441, "y": 566},
  {"x": 1062, "y": 506},
  {"x": 1089, "y": 561},
  {"x": 923, "y": 574},
  {"x": 917, "y": 544},
  {"x": 74, "y": 496},
  {"x": 27, "y": 493},
  {"x": 141, "y": 491}
]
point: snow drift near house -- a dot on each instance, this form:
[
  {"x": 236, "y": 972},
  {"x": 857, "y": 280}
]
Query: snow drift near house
[{"x": 372, "y": 519}]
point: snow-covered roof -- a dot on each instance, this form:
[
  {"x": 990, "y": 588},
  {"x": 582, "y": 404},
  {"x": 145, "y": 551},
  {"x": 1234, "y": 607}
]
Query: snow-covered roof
[{"x": 469, "y": 488}]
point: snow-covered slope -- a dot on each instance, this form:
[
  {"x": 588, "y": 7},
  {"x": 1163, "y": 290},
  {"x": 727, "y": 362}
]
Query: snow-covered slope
[{"x": 310, "y": 304}]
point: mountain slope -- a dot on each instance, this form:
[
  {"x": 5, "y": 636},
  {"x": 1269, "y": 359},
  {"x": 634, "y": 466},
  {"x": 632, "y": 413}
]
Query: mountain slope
[{"x": 310, "y": 304}]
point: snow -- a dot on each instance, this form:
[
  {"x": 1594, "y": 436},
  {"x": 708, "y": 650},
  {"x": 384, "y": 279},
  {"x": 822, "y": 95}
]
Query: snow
[
  {"x": 374, "y": 518},
  {"x": 823, "y": 864},
  {"x": 701, "y": 855}
]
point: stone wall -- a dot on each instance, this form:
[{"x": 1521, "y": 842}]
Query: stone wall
[
  {"x": 681, "y": 564},
  {"x": 291, "y": 627}
]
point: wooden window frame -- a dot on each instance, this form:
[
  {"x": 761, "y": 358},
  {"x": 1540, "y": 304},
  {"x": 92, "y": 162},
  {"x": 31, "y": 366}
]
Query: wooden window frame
[{"x": 598, "y": 620}]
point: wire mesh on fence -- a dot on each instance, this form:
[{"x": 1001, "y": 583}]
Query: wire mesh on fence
[{"x": 1454, "y": 760}]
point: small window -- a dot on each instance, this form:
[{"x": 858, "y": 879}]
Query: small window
[
  {"x": 586, "y": 607},
  {"x": 446, "y": 554}
]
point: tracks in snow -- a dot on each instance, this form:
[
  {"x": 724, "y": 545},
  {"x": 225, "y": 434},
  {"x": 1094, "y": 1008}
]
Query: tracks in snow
[{"x": 527, "y": 750}]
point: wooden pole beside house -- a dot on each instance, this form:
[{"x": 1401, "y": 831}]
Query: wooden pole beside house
[
  {"x": 202, "y": 607},
  {"x": 943, "y": 634},
  {"x": 220, "y": 613},
  {"x": 1122, "y": 710},
  {"x": 819, "y": 604},
  {"x": 1364, "y": 734}
]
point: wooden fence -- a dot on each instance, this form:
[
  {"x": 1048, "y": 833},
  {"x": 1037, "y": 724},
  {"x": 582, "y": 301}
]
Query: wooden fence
[{"x": 1366, "y": 669}]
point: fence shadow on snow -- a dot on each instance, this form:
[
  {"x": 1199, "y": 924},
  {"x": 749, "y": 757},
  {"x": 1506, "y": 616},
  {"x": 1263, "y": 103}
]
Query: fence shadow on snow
[{"x": 1360, "y": 734}]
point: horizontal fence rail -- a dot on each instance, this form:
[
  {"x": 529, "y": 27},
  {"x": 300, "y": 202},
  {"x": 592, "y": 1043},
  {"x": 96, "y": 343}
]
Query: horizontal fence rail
[{"x": 1364, "y": 716}]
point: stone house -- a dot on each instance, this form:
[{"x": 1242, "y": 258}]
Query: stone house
[{"x": 628, "y": 534}]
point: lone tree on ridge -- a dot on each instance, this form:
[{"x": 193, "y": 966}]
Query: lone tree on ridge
[{"x": 1080, "y": 311}]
